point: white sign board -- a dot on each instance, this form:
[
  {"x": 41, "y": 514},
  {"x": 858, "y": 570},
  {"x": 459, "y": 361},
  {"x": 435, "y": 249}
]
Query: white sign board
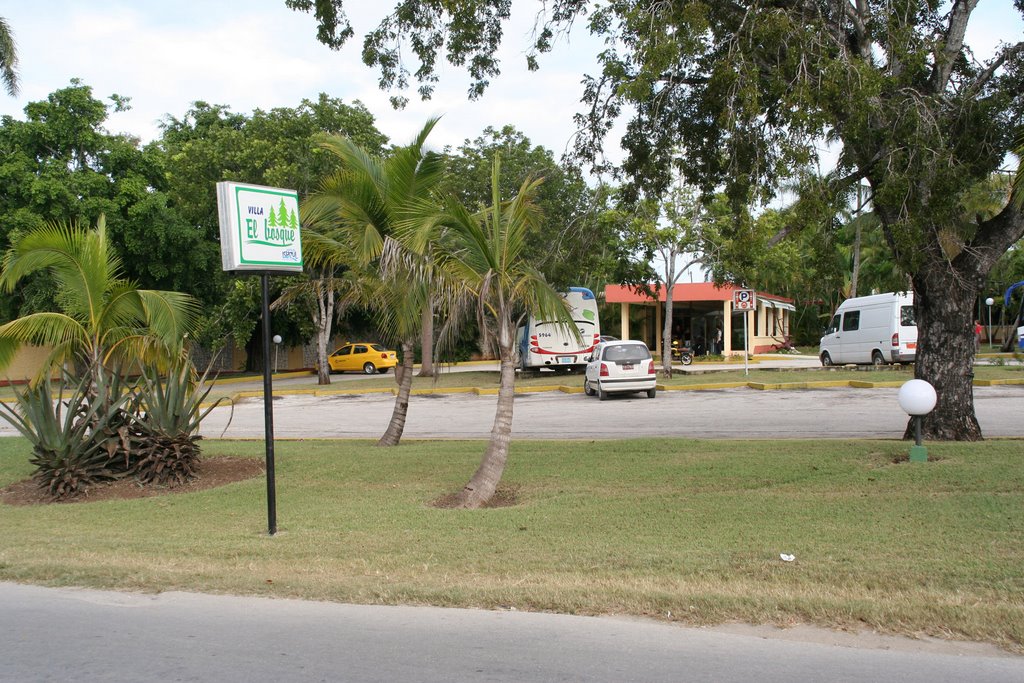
[
  {"x": 259, "y": 228},
  {"x": 744, "y": 299}
]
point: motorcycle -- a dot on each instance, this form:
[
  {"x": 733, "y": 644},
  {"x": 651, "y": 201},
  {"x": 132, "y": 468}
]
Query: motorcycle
[{"x": 682, "y": 354}]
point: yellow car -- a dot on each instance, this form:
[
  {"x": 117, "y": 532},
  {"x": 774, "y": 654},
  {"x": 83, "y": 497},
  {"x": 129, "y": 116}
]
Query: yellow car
[{"x": 362, "y": 357}]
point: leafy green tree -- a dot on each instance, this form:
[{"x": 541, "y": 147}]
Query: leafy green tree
[
  {"x": 277, "y": 148},
  {"x": 8, "y": 59},
  {"x": 103, "y": 317},
  {"x": 741, "y": 94},
  {"x": 60, "y": 164},
  {"x": 566, "y": 244},
  {"x": 480, "y": 256},
  {"x": 673, "y": 230}
]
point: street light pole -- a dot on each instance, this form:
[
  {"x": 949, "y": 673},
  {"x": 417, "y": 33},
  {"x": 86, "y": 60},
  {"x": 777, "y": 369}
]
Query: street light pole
[{"x": 988, "y": 302}]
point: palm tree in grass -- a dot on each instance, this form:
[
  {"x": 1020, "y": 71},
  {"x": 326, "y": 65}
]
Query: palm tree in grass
[
  {"x": 360, "y": 208},
  {"x": 8, "y": 59},
  {"x": 102, "y": 317},
  {"x": 480, "y": 265}
]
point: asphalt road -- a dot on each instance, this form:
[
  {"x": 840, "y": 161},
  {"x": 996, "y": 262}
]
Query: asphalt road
[
  {"x": 713, "y": 414},
  {"x": 83, "y": 635}
]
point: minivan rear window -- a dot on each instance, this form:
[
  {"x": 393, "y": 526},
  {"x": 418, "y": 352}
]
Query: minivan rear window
[
  {"x": 627, "y": 353},
  {"x": 907, "y": 316}
]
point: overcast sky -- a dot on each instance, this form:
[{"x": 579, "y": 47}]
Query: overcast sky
[{"x": 248, "y": 54}]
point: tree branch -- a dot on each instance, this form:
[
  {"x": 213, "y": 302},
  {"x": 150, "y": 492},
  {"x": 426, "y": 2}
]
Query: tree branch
[
  {"x": 986, "y": 75},
  {"x": 946, "y": 56}
]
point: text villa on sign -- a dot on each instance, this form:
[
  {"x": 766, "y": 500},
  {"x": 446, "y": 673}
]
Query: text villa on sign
[{"x": 259, "y": 228}]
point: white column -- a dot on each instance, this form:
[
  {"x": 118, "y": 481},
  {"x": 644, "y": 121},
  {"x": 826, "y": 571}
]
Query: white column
[{"x": 726, "y": 327}]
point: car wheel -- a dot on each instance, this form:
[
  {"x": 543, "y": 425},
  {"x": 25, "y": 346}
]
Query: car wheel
[
  {"x": 587, "y": 389},
  {"x": 369, "y": 368},
  {"x": 826, "y": 360},
  {"x": 382, "y": 371},
  {"x": 602, "y": 395},
  {"x": 876, "y": 358},
  {"x": 651, "y": 393}
]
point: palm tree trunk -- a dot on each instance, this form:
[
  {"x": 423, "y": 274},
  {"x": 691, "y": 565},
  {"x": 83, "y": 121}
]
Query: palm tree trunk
[
  {"x": 427, "y": 340},
  {"x": 485, "y": 480},
  {"x": 393, "y": 435},
  {"x": 322, "y": 318}
]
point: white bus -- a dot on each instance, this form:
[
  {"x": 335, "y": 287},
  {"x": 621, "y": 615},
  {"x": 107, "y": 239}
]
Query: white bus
[{"x": 549, "y": 344}]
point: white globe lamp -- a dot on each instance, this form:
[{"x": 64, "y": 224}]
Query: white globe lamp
[{"x": 917, "y": 398}]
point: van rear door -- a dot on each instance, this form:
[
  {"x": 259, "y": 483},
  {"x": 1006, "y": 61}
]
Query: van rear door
[{"x": 906, "y": 350}]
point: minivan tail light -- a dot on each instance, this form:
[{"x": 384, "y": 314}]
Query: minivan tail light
[
  {"x": 896, "y": 339},
  {"x": 604, "y": 370}
]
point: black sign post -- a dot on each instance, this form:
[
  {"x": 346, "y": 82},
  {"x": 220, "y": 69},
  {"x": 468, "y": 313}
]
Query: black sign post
[
  {"x": 268, "y": 411},
  {"x": 260, "y": 235}
]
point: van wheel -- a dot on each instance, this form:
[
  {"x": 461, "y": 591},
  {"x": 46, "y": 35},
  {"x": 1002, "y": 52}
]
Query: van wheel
[
  {"x": 826, "y": 360},
  {"x": 876, "y": 358}
]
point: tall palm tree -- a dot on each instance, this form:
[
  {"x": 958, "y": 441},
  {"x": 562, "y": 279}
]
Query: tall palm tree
[
  {"x": 103, "y": 317},
  {"x": 480, "y": 263},
  {"x": 362, "y": 206},
  {"x": 8, "y": 59}
]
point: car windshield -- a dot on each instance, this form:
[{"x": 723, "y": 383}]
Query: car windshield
[{"x": 626, "y": 353}]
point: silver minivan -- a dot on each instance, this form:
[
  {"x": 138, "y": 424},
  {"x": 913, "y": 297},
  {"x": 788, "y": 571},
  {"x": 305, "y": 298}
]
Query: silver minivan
[{"x": 620, "y": 367}]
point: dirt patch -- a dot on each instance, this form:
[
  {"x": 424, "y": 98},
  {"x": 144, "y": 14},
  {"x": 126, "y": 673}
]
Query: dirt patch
[
  {"x": 213, "y": 472},
  {"x": 504, "y": 496}
]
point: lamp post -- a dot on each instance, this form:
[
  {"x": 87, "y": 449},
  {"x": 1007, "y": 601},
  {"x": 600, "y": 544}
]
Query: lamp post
[
  {"x": 917, "y": 399},
  {"x": 277, "y": 349},
  {"x": 988, "y": 302}
]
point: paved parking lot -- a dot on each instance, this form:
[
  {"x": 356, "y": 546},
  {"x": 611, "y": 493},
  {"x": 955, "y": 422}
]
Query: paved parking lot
[{"x": 724, "y": 413}]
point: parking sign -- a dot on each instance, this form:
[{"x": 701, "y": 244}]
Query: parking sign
[{"x": 744, "y": 299}]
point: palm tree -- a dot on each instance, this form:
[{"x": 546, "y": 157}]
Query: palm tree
[
  {"x": 360, "y": 208},
  {"x": 8, "y": 59},
  {"x": 480, "y": 263},
  {"x": 102, "y": 317}
]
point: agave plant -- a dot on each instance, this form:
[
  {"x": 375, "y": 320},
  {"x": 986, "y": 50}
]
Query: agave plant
[
  {"x": 79, "y": 441},
  {"x": 165, "y": 434}
]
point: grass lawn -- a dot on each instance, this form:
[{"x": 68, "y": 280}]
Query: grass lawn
[{"x": 667, "y": 528}]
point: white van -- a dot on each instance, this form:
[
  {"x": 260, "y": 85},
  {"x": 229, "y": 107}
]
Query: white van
[{"x": 873, "y": 329}]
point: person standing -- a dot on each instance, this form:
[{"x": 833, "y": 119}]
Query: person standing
[{"x": 977, "y": 336}]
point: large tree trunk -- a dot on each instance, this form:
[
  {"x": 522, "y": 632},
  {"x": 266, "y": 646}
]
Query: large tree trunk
[
  {"x": 427, "y": 340},
  {"x": 403, "y": 373},
  {"x": 485, "y": 480},
  {"x": 945, "y": 355},
  {"x": 946, "y": 288}
]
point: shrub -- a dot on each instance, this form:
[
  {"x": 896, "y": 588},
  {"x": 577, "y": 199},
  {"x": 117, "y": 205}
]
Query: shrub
[{"x": 78, "y": 441}]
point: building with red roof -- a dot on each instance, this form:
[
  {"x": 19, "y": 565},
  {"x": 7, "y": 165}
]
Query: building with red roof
[{"x": 707, "y": 317}]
